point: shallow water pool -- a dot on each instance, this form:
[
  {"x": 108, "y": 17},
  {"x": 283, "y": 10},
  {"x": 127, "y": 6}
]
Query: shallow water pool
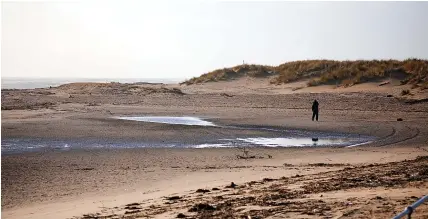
[
  {"x": 287, "y": 142},
  {"x": 181, "y": 120},
  {"x": 295, "y": 142},
  {"x": 280, "y": 138}
]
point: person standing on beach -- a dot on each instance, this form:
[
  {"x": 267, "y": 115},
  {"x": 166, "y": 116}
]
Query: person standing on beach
[{"x": 315, "y": 110}]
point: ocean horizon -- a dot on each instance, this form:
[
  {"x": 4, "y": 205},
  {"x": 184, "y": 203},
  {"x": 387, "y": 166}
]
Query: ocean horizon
[{"x": 31, "y": 83}]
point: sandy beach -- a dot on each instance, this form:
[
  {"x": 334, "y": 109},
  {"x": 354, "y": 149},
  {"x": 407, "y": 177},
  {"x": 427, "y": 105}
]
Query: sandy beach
[
  {"x": 213, "y": 109},
  {"x": 374, "y": 180}
]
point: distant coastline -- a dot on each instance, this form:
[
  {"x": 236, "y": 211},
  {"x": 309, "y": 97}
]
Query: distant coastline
[{"x": 31, "y": 83}]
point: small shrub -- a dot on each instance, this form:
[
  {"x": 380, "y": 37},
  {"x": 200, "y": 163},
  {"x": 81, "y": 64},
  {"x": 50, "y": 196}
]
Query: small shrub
[{"x": 405, "y": 92}]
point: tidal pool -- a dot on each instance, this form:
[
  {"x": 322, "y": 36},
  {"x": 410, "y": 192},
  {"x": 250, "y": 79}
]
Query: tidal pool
[
  {"x": 287, "y": 142},
  {"x": 295, "y": 142},
  {"x": 281, "y": 138},
  {"x": 181, "y": 120}
]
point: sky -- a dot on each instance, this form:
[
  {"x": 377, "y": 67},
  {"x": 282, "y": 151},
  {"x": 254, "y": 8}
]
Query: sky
[{"x": 183, "y": 39}]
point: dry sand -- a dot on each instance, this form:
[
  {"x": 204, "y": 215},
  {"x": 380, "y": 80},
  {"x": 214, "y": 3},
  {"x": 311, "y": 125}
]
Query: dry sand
[{"x": 357, "y": 182}]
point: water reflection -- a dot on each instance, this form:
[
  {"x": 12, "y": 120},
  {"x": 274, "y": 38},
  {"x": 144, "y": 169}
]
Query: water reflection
[{"x": 184, "y": 120}]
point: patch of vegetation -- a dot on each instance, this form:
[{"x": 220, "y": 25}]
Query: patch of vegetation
[
  {"x": 345, "y": 73},
  {"x": 20, "y": 105},
  {"x": 232, "y": 73},
  {"x": 348, "y": 73},
  {"x": 115, "y": 88},
  {"x": 405, "y": 92}
]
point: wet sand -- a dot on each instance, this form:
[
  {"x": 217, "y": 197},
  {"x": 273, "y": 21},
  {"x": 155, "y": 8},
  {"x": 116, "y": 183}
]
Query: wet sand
[{"x": 64, "y": 184}]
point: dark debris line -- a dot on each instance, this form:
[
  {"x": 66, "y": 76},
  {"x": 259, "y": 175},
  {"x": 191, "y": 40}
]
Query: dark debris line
[{"x": 273, "y": 197}]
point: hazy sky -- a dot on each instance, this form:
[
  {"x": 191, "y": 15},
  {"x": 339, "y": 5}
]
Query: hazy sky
[{"x": 156, "y": 39}]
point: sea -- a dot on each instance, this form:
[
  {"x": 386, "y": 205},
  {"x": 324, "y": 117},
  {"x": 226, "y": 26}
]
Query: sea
[{"x": 31, "y": 83}]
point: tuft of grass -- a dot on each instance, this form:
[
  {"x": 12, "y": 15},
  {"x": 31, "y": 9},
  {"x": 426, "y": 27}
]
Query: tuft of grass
[{"x": 405, "y": 92}]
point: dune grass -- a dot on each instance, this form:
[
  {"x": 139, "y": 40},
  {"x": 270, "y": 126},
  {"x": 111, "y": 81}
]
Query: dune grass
[
  {"x": 232, "y": 73},
  {"x": 319, "y": 72}
]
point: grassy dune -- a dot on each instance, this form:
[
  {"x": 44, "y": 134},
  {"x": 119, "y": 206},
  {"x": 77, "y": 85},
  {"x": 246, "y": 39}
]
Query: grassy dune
[
  {"x": 233, "y": 73},
  {"x": 346, "y": 73}
]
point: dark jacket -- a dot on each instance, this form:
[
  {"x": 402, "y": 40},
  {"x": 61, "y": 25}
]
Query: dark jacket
[{"x": 315, "y": 106}]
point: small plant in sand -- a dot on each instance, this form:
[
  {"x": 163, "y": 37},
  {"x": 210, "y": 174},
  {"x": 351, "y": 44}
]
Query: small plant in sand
[
  {"x": 405, "y": 92},
  {"x": 245, "y": 153}
]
